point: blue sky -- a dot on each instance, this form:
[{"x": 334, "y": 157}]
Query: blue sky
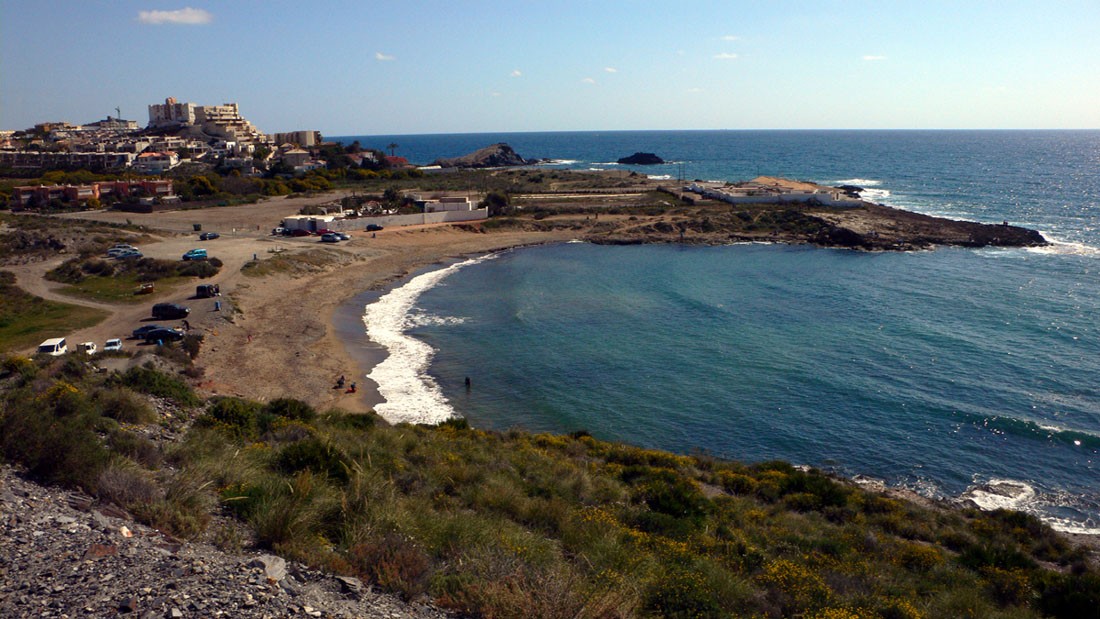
[{"x": 367, "y": 67}]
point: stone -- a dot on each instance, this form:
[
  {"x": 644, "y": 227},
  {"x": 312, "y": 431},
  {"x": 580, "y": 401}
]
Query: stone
[
  {"x": 273, "y": 567},
  {"x": 128, "y": 605},
  {"x": 98, "y": 551},
  {"x": 350, "y": 585}
]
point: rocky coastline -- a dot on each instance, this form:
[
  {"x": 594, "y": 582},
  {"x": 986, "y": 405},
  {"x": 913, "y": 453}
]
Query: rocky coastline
[{"x": 868, "y": 227}]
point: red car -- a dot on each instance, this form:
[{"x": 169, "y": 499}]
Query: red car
[
  {"x": 325, "y": 231},
  {"x": 299, "y": 232}
]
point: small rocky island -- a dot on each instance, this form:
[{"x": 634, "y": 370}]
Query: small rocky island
[
  {"x": 640, "y": 158},
  {"x": 496, "y": 156}
]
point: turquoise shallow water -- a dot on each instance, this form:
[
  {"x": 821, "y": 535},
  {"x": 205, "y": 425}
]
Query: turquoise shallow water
[{"x": 944, "y": 371}]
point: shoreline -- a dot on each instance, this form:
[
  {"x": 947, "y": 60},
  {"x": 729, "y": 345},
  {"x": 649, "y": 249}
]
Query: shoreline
[{"x": 290, "y": 334}]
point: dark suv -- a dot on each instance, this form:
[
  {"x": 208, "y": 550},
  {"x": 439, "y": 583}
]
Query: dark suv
[{"x": 170, "y": 311}]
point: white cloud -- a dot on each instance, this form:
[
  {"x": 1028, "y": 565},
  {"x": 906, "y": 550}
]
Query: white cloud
[
  {"x": 494, "y": 94},
  {"x": 610, "y": 70},
  {"x": 383, "y": 57},
  {"x": 516, "y": 73},
  {"x": 695, "y": 89},
  {"x": 731, "y": 37},
  {"x": 187, "y": 16},
  {"x": 874, "y": 58},
  {"x": 725, "y": 56},
  {"x": 588, "y": 80}
]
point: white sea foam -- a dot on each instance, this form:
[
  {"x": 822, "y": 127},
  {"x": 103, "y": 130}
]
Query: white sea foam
[
  {"x": 431, "y": 320},
  {"x": 1063, "y": 248},
  {"x": 552, "y": 162},
  {"x": 659, "y": 177},
  {"x": 874, "y": 195},
  {"x": 859, "y": 182},
  {"x": 1000, "y": 494},
  {"x": 411, "y": 394}
]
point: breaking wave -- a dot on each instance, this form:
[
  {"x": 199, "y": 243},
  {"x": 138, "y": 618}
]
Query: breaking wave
[{"x": 411, "y": 395}]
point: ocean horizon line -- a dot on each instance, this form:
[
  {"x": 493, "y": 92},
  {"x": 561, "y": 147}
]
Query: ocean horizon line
[{"x": 730, "y": 130}]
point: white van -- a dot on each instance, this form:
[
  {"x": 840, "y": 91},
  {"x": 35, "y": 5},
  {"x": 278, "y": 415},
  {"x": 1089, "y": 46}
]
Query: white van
[{"x": 55, "y": 346}]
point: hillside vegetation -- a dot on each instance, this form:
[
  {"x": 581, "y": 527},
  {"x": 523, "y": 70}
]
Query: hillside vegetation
[{"x": 516, "y": 524}]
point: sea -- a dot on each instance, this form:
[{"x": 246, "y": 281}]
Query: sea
[{"x": 969, "y": 374}]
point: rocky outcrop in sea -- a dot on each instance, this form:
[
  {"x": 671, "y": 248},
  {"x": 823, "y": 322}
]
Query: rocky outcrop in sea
[
  {"x": 641, "y": 159},
  {"x": 496, "y": 156}
]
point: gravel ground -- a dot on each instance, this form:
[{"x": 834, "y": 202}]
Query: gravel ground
[{"x": 62, "y": 555}]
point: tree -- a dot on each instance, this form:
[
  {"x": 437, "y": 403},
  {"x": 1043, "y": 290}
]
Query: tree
[
  {"x": 497, "y": 202},
  {"x": 391, "y": 197},
  {"x": 393, "y": 148}
]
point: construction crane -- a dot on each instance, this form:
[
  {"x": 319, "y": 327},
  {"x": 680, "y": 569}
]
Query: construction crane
[{"x": 119, "y": 114}]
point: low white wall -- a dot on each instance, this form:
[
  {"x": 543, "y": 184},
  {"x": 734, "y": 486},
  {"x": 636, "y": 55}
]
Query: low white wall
[{"x": 440, "y": 217}]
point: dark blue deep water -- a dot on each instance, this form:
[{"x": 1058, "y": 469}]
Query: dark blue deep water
[{"x": 954, "y": 372}]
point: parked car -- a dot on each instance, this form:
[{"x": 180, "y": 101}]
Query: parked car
[
  {"x": 121, "y": 246},
  {"x": 129, "y": 254},
  {"x": 170, "y": 311},
  {"x": 342, "y": 236},
  {"x": 195, "y": 254},
  {"x": 164, "y": 334},
  {"x": 299, "y": 232},
  {"x": 207, "y": 236},
  {"x": 114, "y": 344},
  {"x": 324, "y": 231},
  {"x": 54, "y": 347},
  {"x": 88, "y": 348},
  {"x": 116, "y": 250},
  {"x": 205, "y": 291},
  {"x": 279, "y": 231},
  {"x": 139, "y": 333},
  {"x": 373, "y": 227},
  {"x": 329, "y": 237}
]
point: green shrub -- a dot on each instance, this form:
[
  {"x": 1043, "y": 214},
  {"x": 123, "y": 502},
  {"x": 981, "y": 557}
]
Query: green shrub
[
  {"x": 68, "y": 272},
  {"x": 234, "y": 417},
  {"x": 191, "y": 343},
  {"x": 135, "y": 447},
  {"x": 995, "y": 555},
  {"x": 681, "y": 593},
  {"x": 184, "y": 508},
  {"x": 53, "y": 435},
  {"x": 127, "y": 486},
  {"x": 394, "y": 563},
  {"x": 24, "y": 367},
  {"x": 313, "y": 455},
  {"x": 291, "y": 409},
  {"x": 1069, "y": 596},
  {"x": 352, "y": 421},
  {"x": 148, "y": 380},
  {"x": 124, "y": 406}
]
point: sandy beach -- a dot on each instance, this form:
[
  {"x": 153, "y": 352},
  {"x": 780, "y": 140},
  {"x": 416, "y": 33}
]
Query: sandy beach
[{"x": 291, "y": 333}]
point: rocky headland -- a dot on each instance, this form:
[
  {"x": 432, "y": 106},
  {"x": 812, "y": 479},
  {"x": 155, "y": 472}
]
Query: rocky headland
[{"x": 496, "y": 156}]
